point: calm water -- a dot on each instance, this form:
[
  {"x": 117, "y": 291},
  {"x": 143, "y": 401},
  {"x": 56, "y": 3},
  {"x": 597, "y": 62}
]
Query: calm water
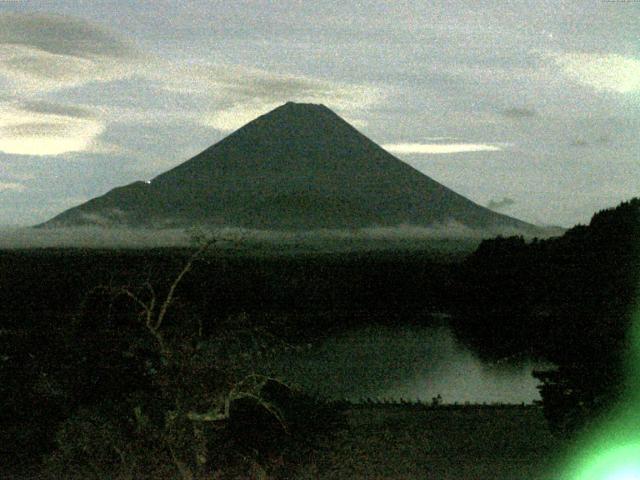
[{"x": 414, "y": 363}]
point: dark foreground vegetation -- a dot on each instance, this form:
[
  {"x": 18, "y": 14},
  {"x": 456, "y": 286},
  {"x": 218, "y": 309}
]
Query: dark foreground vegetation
[
  {"x": 447, "y": 443},
  {"x": 569, "y": 300},
  {"x": 158, "y": 363}
]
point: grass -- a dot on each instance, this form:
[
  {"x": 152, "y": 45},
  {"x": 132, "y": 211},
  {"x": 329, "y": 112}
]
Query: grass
[
  {"x": 462, "y": 443},
  {"x": 418, "y": 442}
]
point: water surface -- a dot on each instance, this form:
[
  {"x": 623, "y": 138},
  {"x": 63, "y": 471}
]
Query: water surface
[{"x": 411, "y": 363}]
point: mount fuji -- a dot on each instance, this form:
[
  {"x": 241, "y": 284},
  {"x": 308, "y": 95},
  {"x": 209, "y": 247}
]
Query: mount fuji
[{"x": 298, "y": 167}]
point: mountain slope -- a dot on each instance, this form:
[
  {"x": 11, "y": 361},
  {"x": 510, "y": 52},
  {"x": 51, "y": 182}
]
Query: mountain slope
[{"x": 299, "y": 166}]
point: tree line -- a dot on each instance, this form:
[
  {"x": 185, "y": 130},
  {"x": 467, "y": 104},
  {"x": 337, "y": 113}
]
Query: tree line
[{"x": 568, "y": 300}]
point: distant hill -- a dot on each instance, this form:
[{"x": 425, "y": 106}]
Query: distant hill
[{"x": 297, "y": 167}]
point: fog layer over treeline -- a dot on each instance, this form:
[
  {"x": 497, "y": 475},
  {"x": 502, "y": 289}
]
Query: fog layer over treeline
[{"x": 121, "y": 237}]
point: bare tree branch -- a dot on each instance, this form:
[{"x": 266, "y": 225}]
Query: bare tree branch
[
  {"x": 169, "y": 299},
  {"x": 147, "y": 310}
]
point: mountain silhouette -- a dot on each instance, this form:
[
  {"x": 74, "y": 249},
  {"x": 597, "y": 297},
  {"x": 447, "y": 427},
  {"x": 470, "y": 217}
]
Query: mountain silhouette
[{"x": 297, "y": 167}]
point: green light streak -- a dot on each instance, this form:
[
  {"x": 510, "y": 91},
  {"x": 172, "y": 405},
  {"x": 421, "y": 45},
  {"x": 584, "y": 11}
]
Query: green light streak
[{"x": 613, "y": 451}]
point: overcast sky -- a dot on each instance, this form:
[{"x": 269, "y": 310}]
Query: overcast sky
[{"x": 532, "y": 108}]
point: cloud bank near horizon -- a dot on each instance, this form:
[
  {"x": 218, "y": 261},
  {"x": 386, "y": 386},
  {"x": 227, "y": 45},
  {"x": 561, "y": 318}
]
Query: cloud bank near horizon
[{"x": 114, "y": 237}]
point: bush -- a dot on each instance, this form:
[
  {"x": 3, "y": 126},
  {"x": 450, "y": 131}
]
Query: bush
[{"x": 156, "y": 401}]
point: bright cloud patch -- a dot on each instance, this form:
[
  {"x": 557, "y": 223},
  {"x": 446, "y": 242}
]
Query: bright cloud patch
[
  {"x": 11, "y": 187},
  {"x": 38, "y": 129},
  {"x": 611, "y": 72},
  {"x": 439, "y": 148},
  {"x": 234, "y": 117}
]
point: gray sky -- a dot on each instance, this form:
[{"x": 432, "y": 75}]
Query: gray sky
[{"x": 531, "y": 107}]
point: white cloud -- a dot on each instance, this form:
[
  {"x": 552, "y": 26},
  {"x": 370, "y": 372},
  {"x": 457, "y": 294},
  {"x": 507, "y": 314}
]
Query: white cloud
[
  {"x": 240, "y": 113},
  {"x": 608, "y": 72},
  {"x": 236, "y": 116},
  {"x": 439, "y": 148},
  {"x": 11, "y": 186},
  {"x": 39, "y": 130}
]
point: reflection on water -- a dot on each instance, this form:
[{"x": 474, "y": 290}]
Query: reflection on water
[{"x": 413, "y": 363}]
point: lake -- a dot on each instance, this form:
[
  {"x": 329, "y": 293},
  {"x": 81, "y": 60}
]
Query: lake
[{"x": 410, "y": 363}]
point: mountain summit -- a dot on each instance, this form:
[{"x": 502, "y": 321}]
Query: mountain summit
[{"x": 297, "y": 167}]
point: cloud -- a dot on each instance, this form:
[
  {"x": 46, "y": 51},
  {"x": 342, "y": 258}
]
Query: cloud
[
  {"x": 240, "y": 94},
  {"x": 236, "y": 116},
  {"x": 61, "y": 35},
  {"x": 41, "y": 52},
  {"x": 439, "y": 148},
  {"x": 503, "y": 204},
  {"x": 45, "y": 128},
  {"x": 46, "y": 107},
  {"x": 598, "y": 140},
  {"x": 11, "y": 187},
  {"x": 519, "y": 112},
  {"x": 604, "y": 72},
  {"x": 105, "y": 232},
  {"x": 91, "y": 237},
  {"x": 238, "y": 83},
  {"x": 579, "y": 142}
]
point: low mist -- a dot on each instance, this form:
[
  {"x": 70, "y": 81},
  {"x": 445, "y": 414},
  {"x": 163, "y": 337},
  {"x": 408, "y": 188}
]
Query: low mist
[
  {"x": 92, "y": 237},
  {"x": 119, "y": 237},
  {"x": 412, "y": 363}
]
